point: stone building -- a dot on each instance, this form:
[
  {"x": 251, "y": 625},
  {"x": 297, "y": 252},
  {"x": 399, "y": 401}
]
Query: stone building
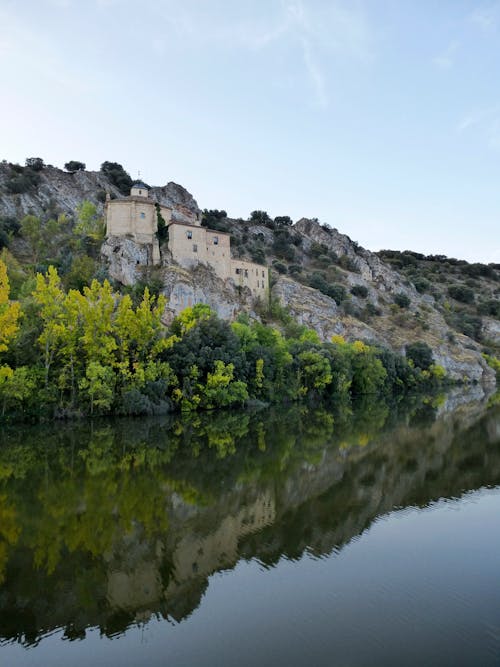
[{"x": 136, "y": 217}]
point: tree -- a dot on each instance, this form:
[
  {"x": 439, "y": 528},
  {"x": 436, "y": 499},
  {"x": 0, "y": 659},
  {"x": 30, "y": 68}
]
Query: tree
[
  {"x": 98, "y": 384},
  {"x": 73, "y": 166},
  {"x": 9, "y": 312},
  {"x": 261, "y": 218},
  {"x": 421, "y": 355},
  {"x": 402, "y": 300},
  {"x": 35, "y": 163},
  {"x": 283, "y": 221},
  {"x": 50, "y": 298},
  {"x": 117, "y": 176},
  {"x": 88, "y": 222}
]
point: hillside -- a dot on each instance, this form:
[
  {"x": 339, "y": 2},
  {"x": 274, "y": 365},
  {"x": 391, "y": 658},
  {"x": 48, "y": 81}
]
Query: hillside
[{"x": 319, "y": 277}]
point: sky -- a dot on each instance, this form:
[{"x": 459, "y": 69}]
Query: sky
[{"x": 379, "y": 117}]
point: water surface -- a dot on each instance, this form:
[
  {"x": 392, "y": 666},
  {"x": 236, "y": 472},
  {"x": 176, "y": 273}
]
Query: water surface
[{"x": 362, "y": 535}]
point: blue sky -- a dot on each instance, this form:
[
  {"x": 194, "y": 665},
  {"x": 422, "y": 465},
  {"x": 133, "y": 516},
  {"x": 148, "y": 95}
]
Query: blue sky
[{"x": 379, "y": 117}]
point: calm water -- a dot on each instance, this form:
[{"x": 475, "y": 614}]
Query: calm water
[{"x": 362, "y": 536}]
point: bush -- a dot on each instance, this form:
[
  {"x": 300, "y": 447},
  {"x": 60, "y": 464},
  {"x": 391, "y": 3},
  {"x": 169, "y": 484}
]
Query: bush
[
  {"x": 348, "y": 263},
  {"x": 359, "y": 290},
  {"x": 402, "y": 300},
  {"x": 8, "y": 228},
  {"x": 489, "y": 307},
  {"x": 318, "y": 249},
  {"x": 421, "y": 285},
  {"x": 258, "y": 255},
  {"x": 35, "y": 163},
  {"x": 334, "y": 291},
  {"x": 461, "y": 293},
  {"x": 280, "y": 268},
  {"x": 283, "y": 221},
  {"x": 372, "y": 310},
  {"x": 73, "y": 166},
  {"x": 117, "y": 175},
  {"x": 261, "y": 218},
  {"x": 421, "y": 355},
  {"x": 294, "y": 269},
  {"x": 19, "y": 183},
  {"x": 469, "y": 325},
  {"x": 213, "y": 219}
]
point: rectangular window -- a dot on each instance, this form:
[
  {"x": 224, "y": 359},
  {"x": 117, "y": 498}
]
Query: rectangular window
[
  {"x": 238, "y": 272},
  {"x": 262, "y": 273},
  {"x": 195, "y": 247},
  {"x": 246, "y": 273},
  {"x": 189, "y": 235},
  {"x": 143, "y": 215},
  {"x": 216, "y": 240}
]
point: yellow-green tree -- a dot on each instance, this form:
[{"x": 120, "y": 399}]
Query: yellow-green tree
[{"x": 10, "y": 312}]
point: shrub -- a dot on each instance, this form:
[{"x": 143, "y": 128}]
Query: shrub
[
  {"x": 213, "y": 219},
  {"x": 283, "y": 221},
  {"x": 359, "y": 290},
  {"x": 261, "y": 218},
  {"x": 469, "y": 325},
  {"x": 489, "y": 307},
  {"x": 117, "y": 175},
  {"x": 402, "y": 300},
  {"x": 18, "y": 183},
  {"x": 461, "y": 293},
  {"x": 8, "y": 228},
  {"x": 318, "y": 249},
  {"x": 348, "y": 263},
  {"x": 421, "y": 355},
  {"x": 280, "y": 268},
  {"x": 421, "y": 285},
  {"x": 371, "y": 310},
  {"x": 73, "y": 166},
  {"x": 258, "y": 255},
  {"x": 334, "y": 291},
  {"x": 35, "y": 163},
  {"x": 294, "y": 269}
]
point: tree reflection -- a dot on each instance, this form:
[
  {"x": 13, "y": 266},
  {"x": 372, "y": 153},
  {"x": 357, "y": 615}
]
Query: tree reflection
[{"x": 103, "y": 524}]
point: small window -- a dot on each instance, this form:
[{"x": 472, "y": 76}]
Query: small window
[
  {"x": 246, "y": 273},
  {"x": 262, "y": 273},
  {"x": 238, "y": 271},
  {"x": 189, "y": 235},
  {"x": 195, "y": 247},
  {"x": 140, "y": 192},
  {"x": 143, "y": 215},
  {"x": 216, "y": 240}
]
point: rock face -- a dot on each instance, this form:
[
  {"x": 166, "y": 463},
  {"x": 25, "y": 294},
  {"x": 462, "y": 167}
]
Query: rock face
[
  {"x": 183, "y": 205},
  {"x": 319, "y": 312},
  {"x": 184, "y": 288},
  {"x": 59, "y": 191}
]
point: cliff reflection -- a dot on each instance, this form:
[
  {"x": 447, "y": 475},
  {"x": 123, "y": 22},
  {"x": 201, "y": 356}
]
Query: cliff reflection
[{"x": 107, "y": 524}]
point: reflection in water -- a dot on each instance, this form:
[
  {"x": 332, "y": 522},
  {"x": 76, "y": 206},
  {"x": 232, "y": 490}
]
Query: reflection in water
[{"x": 108, "y": 524}]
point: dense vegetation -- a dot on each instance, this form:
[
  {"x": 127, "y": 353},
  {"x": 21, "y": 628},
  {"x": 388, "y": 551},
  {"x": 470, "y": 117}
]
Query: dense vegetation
[
  {"x": 465, "y": 293},
  {"x": 92, "y": 351}
]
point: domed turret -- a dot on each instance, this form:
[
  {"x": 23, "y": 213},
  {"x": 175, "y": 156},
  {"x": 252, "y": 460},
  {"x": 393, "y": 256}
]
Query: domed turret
[{"x": 139, "y": 189}]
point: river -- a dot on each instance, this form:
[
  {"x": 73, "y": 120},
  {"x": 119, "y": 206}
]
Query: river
[{"x": 342, "y": 535}]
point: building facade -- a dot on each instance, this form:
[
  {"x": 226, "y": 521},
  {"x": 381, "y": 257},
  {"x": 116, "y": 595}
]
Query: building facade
[{"x": 136, "y": 217}]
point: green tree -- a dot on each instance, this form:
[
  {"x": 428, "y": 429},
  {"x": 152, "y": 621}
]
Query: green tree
[{"x": 98, "y": 386}]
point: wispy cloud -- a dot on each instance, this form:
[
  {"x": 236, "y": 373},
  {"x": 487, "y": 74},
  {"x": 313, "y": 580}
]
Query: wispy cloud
[
  {"x": 446, "y": 59},
  {"x": 485, "y": 122},
  {"x": 486, "y": 18},
  {"x": 320, "y": 33}
]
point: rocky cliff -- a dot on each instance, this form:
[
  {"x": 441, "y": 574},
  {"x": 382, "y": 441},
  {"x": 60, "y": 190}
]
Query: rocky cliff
[{"x": 324, "y": 279}]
